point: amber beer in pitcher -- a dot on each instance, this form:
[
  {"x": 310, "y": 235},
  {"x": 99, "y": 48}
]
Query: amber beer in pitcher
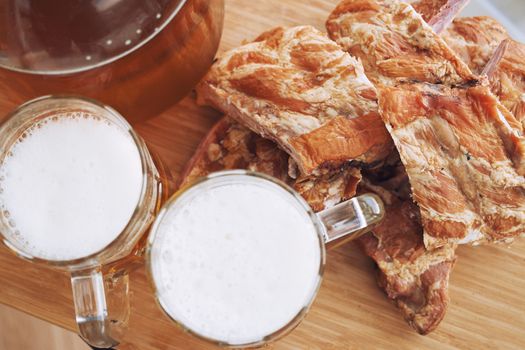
[{"x": 138, "y": 56}]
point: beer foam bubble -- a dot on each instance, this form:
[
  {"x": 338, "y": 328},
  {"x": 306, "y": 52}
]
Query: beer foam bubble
[
  {"x": 236, "y": 262},
  {"x": 69, "y": 185}
]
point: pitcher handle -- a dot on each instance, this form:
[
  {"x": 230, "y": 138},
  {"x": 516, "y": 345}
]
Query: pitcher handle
[
  {"x": 350, "y": 219},
  {"x": 93, "y": 295}
]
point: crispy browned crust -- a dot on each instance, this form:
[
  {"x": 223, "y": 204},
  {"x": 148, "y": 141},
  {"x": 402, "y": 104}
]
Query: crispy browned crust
[
  {"x": 464, "y": 155},
  {"x": 438, "y": 13},
  {"x": 474, "y": 40},
  {"x": 334, "y": 142},
  {"x": 506, "y": 72},
  {"x": 229, "y": 146},
  {"x": 296, "y": 87},
  {"x": 394, "y": 43}
]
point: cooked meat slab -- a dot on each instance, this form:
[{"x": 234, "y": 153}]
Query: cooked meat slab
[
  {"x": 231, "y": 146},
  {"x": 506, "y": 72},
  {"x": 415, "y": 278},
  {"x": 464, "y": 155},
  {"x": 475, "y": 39},
  {"x": 300, "y": 89},
  {"x": 397, "y": 47},
  {"x": 395, "y": 44}
]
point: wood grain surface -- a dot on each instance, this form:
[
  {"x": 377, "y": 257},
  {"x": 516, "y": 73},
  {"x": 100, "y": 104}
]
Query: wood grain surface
[{"x": 487, "y": 287}]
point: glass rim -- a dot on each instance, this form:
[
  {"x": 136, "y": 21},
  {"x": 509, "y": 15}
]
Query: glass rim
[
  {"x": 319, "y": 229},
  {"x": 121, "y": 123},
  {"x": 123, "y": 54}
]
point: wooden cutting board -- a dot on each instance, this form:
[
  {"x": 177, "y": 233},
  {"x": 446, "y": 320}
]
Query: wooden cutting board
[{"x": 487, "y": 287}]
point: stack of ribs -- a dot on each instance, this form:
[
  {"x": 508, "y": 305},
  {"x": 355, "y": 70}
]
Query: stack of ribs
[
  {"x": 299, "y": 88},
  {"x": 393, "y": 101}
]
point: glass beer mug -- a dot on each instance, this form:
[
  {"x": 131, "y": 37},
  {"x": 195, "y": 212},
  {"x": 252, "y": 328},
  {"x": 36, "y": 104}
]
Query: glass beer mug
[
  {"x": 237, "y": 257},
  {"x": 78, "y": 191},
  {"x": 138, "y": 56}
]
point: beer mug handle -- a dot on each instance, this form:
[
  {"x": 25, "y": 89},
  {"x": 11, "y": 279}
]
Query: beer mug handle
[
  {"x": 93, "y": 295},
  {"x": 352, "y": 218}
]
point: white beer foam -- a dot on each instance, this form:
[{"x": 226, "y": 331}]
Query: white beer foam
[
  {"x": 237, "y": 262},
  {"x": 70, "y": 185}
]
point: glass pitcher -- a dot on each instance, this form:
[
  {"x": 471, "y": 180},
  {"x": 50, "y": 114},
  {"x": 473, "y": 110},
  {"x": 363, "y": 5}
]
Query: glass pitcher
[{"x": 138, "y": 56}]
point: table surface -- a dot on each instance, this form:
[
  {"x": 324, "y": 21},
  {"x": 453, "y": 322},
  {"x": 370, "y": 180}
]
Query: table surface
[{"x": 487, "y": 287}]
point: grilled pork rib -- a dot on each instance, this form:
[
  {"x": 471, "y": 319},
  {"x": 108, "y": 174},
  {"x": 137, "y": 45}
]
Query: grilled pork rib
[
  {"x": 395, "y": 44},
  {"x": 417, "y": 279},
  {"x": 298, "y": 88},
  {"x": 229, "y": 145},
  {"x": 465, "y": 159}
]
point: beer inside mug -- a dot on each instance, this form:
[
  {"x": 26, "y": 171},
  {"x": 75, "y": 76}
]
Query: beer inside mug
[
  {"x": 70, "y": 182},
  {"x": 236, "y": 260}
]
